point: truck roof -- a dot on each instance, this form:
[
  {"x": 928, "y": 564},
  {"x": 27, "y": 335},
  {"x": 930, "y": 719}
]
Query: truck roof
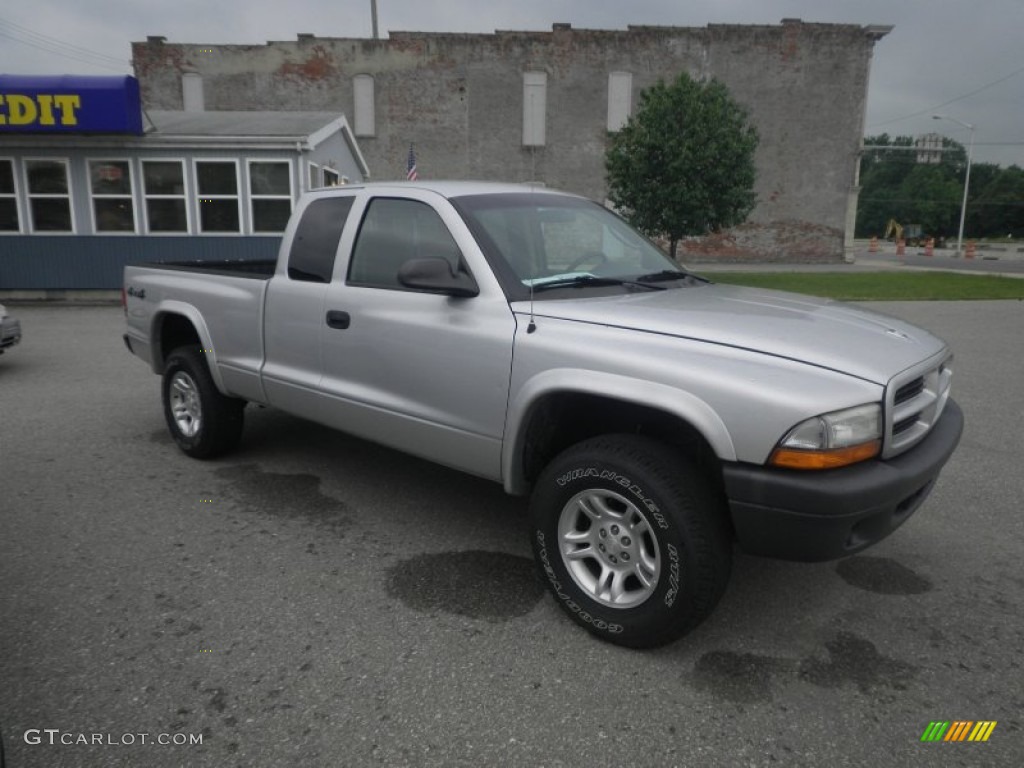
[{"x": 450, "y": 189}]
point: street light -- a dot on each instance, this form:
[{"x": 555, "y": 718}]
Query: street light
[{"x": 967, "y": 178}]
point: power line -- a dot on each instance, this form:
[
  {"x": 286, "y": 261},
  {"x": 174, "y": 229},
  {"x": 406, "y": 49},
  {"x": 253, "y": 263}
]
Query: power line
[
  {"x": 25, "y": 36},
  {"x": 46, "y": 39},
  {"x": 932, "y": 110}
]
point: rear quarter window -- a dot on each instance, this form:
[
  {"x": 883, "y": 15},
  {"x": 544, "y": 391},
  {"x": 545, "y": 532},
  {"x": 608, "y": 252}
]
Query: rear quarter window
[{"x": 315, "y": 244}]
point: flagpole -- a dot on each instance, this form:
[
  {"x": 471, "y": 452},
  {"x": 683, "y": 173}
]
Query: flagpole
[{"x": 411, "y": 171}]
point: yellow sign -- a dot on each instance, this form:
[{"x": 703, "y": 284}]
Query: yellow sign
[{"x": 39, "y": 109}]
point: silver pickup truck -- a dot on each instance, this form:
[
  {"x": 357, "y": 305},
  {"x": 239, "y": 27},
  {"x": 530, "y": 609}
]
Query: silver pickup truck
[{"x": 655, "y": 419}]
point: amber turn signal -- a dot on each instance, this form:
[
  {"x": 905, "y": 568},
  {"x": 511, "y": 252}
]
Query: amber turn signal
[{"x": 792, "y": 458}]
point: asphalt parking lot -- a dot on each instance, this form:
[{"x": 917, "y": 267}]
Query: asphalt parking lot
[{"x": 315, "y": 600}]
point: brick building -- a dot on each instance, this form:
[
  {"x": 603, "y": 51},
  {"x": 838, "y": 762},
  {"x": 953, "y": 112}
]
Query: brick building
[{"x": 538, "y": 106}]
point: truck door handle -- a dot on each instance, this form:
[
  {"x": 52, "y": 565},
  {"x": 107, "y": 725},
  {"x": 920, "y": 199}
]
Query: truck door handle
[{"x": 338, "y": 319}]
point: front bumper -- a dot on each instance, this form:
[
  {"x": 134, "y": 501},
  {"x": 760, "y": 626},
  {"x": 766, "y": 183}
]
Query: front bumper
[
  {"x": 10, "y": 333},
  {"x": 813, "y": 516}
]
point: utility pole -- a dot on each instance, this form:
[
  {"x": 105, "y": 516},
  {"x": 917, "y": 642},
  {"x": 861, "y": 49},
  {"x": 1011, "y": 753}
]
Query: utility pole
[
  {"x": 373, "y": 14},
  {"x": 967, "y": 179}
]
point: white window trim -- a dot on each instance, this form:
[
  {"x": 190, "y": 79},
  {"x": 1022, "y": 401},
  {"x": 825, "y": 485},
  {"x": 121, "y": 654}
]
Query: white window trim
[
  {"x": 314, "y": 179},
  {"x": 186, "y": 197},
  {"x": 29, "y": 196},
  {"x": 290, "y": 197},
  {"x": 325, "y": 170},
  {"x": 197, "y": 200},
  {"x": 535, "y": 109},
  {"x": 19, "y": 209},
  {"x": 619, "y": 84},
  {"x": 131, "y": 195},
  {"x": 364, "y": 107}
]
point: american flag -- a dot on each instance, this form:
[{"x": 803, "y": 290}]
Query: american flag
[{"x": 410, "y": 166}]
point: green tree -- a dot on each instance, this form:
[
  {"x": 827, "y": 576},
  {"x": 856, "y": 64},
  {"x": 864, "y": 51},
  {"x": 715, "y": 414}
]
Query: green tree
[
  {"x": 684, "y": 163},
  {"x": 998, "y": 204},
  {"x": 895, "y": 186},
  {"x": 934, "y": 196}
]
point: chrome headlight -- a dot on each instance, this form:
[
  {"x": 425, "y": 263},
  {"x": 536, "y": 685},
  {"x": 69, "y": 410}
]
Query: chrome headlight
[{"x": 832, "y": 439}]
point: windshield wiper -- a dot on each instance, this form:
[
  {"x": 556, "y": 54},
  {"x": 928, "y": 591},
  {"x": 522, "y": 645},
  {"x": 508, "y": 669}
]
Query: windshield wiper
[
  {"x": 579, "y": 281},
  {"x": 665, "y": 275}
]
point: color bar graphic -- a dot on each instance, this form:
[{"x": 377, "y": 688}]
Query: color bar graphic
[
  {"x": 935, "y": 731},
  {"x": 982, "y": 730},
  {"x": 958, "y": 730}
]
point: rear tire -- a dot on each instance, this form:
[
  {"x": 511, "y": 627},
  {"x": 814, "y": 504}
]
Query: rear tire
[
  {"x": 203, "y": 422},
  {"x": 631, "y": 539}
]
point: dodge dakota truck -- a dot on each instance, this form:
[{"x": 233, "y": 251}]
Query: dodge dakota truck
[{"x": 656, "y": 420}]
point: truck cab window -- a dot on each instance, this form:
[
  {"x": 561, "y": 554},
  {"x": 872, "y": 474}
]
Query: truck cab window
[
  {"x": 394, "y": 231},
  {"x": 316, "y": 239}
]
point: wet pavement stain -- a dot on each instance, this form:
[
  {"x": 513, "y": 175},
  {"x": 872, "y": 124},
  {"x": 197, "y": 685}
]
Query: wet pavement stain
[
  {"x": 295, "y": 497},
  {"x": 218, "y": 699},
  {"x": 882, "y": 576},
  {"x": 744, "y": 678},
  {"x": 853, "y": 659},
  {"x": 481, "y": 585},
  {"x": 750, "y": 678}
]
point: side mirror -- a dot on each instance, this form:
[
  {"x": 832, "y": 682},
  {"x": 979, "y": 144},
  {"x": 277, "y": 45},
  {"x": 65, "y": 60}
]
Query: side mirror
[{"x": 436, "y": 276}]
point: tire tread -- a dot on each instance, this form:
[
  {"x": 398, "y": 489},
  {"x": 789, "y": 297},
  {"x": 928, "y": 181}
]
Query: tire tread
[{"x": 223, "y": 416}]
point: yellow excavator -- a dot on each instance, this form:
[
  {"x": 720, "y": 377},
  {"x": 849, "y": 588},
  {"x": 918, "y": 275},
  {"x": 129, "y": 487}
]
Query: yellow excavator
[{"x": 895, "y": 231}]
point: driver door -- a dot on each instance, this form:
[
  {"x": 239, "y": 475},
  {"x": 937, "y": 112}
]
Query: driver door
[{"x": 422, "y": 372}]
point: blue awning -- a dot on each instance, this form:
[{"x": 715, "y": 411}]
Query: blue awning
[{"x": 70, "y": 104}]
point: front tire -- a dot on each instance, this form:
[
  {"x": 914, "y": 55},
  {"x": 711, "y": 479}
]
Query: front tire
[
  {"x": 631, "y": 539},
  {"x": 203, "y": 422}
]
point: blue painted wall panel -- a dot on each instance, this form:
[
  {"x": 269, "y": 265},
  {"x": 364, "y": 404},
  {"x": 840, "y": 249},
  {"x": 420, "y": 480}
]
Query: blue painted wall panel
[{"x": 71, "y": 262}]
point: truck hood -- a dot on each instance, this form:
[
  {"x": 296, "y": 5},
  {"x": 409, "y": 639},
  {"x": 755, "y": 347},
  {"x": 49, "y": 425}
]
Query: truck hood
[{"x": 820, "y": 332}]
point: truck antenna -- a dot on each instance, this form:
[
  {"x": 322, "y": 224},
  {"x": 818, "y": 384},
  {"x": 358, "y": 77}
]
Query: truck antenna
[{"x": 533, "y": 324}]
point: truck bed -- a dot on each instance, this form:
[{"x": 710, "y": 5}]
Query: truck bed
[
  {"x": 223, "y": 301},
  {"x": 257, "y": 270}
]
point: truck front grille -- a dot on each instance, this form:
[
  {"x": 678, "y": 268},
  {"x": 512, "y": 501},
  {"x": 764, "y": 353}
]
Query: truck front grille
[
  {"x": 914, "y": 402},
  {"x": 909, "y": 391}
]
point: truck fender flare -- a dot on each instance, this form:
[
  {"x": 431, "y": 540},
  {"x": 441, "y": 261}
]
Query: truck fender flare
[
  {"x": 190, "y": 313},
  {"x": 677, "y": 402}
]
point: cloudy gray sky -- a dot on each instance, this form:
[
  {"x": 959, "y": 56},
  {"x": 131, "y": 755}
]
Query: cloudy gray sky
[{"x": 963, "y": 58}]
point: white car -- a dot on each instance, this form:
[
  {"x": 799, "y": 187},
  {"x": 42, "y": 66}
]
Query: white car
[{"x": 10, "y": 330}]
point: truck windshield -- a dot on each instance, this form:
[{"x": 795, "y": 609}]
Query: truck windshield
[{"x": 539, "y": 238}]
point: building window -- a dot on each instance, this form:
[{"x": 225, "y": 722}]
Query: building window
[
  {"x": 331, "y": 177},
  {"x": 9, "y": 220},
  {"x": 217, "y": 187},
  {"x": 620, "y": 99},
  {"x": 362, "y": 99},
  {"x": 535, "y": 97},
  {"x": 163, "y": 187},
  {"x": 270, "y": 194},
  {"x": 110, "y": 182},
  {"x": 314, "y": 176},
  {"x": 49, "y": 195}
]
